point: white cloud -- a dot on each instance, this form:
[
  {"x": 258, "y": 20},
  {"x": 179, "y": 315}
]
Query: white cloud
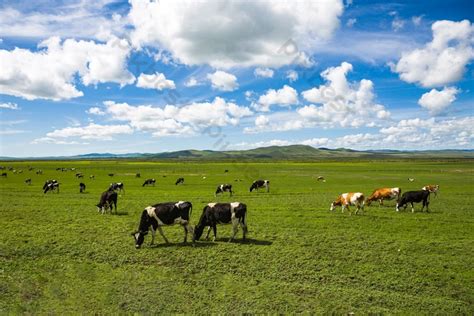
[
  {"x": 285, "y": 96},
  {"x": 9, "y": 105},
  {"x": 441, "y": 61},
  {"x": 192, "y": 82},
  {"x": 95, "y": 111},
  {"x": 343, "y": 103},
  {"x": 91, "y": 131},
  {"x": 225, "y": 34},
  {"x": 49, "y": 73},
  {"x": 397, "y": 24},
  {"x": 436, "y": 101},
  {"x": 417, "y": 20},
  {"x": 223, "y": 81},
  {"x": 263, "y": 72},
  {"x": 173, "y": 120},
  {"x": 156, "y": 81},
  {"x": 351, "y": 22},
  {"x": 11, "y": 131},
  {"x": 49, "y": 140},
  {"x": 292, "y": 75}
]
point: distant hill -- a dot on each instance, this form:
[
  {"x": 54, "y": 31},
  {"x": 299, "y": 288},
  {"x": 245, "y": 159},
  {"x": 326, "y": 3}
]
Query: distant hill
[{"x": 292, "y": 152}]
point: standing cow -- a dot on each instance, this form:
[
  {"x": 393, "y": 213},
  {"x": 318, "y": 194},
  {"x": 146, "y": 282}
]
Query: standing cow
[
  {"x": 82, "y": 187},
  {"x": 346, "y": 199},
  {"x": 384, "y": 194},
  {"x": 257, "y": 184},
  {"x": 224, "y": 188},
  {"x": 179, "y": 181},
  {"x": 222, "y": 213},
  {"x": 414, "y": 197},
  {"x": 161, "y": 214},
  {"x": 149, "y": 182},
  {"x": 108, "y": 201},
  {"x": 28, "y": 181}
]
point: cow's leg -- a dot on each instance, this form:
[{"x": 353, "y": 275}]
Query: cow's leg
[
  {"x": 162, "y": 235},
  {"x": 381, "y": 202},
  {"x": 189, "y": 229},
  {"x": 412, "y": 207},
  {"x": 153, "y": 234},
  {"x": 208, "y": 231},
  {"x": 244, "y": 230},
  {"x": 235, "y": 227},
  {"x": 185, "y": 233}
]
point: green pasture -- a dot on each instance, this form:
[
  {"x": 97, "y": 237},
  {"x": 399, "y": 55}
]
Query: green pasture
[{"x": 58, "y": 255}]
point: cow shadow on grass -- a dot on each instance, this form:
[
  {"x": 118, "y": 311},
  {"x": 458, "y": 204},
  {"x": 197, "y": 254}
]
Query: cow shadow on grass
[
  {"x": 181, "y": 244},
  {"x": 248, "y": 241}
]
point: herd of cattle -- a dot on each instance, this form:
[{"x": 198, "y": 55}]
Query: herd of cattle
[{"x": 170, "y": 213}]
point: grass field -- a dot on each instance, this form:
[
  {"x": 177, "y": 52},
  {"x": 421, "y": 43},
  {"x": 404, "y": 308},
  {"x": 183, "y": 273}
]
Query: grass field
[{"x": 58, "y": 255}]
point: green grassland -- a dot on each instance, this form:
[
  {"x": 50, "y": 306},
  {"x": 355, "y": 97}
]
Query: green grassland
[{"x": 58, "y": 255}]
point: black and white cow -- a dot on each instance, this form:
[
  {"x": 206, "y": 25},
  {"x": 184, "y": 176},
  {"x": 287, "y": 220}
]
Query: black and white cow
[
  {"x": 92, "y": 177},
  {"x": 260, "y": 184},
  {"x": 162, "y": 214},
  {"x": 111, "y": 174},
  {"x": 414, "y": 197},
  {"x": 222, "y": 213},
  {"x": 51, "y": 185},
  {"x": 149, "y": 182},
  {"x": 138, "y": 175},
  {"x": 39, "y": 172},
  {"x": 179, "y": 181},
  {"x": 4, "y": 174},
  {"x": 116, "y": 187},
  {"x": 79, "y": 175},
  {"x": 82, "y": 187},
  {"x": 224, "y": 188},
  {"x": 28, "y": 181},
  {"x": 108, "y": 200}
]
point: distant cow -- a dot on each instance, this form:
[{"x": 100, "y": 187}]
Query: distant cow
[
  {"x": 224, "y": 188},
  {"x": 4, "y": 174},
  {"x": 414, "y": 197},
  {"x": 51, "y": 186},
  {"x": 39, "y": 172},
  {"x": 137, "y": 175},
  {"x": 226, "y": 170},
  {"x": 384, "y": 194},
  {"x": 162, "y": 214},
  {"x": 321, "y": 178},
  {"x": 179, "y": 181},
  {"x": 111, "y": 174},
  {"x": 411, "y": 179},
  {"x": 346, "y": 199},
  {"x": 149, "y": 182},
  {"x": 222, "y": 213},
  {"x": 260, "y": 184},
  {"x": 116, "y": 187},
  {"x": 432, "y": 188},
  {"x": 108, "y": 200},
  {"x": 92, "y": 177},
  {"x": 82, "y": 187},
  {"x": 28, "y": 181},
  {"x": 79, "y": 175}
]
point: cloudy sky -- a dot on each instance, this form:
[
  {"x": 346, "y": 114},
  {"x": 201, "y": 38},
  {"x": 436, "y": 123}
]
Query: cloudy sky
[{"x": 152, "y": 76}]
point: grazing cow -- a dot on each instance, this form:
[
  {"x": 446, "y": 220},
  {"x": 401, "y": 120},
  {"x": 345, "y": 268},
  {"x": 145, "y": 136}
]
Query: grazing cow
[
  {"x": 414, "y": 197},
  {"x": 20, "y": 171},
  {"x": 149, "y": 182},
  {"x": 384, "y": 194},
  {"x": 411, "y": 179},
  {"x": 257, "y": 184},
  {"x": 432, "y": 188},
  {"x": 28, "y": 181},
  {"x": 222, "y": 213},
  {"x": 179, "y": 181},
  {"x": 92, "y": 177},
  {"x": 82, "y": 187},
  {"x": 138, "y": 175},
  {"x": 51, "y": 186},
  {"x": 4, "y": 174},
  {"x": 116, "y": 187},
  {"x": 79, "y": 175},
  {"x": 108, "y": 200},
  {"x": 224, "y": 188},
  {"x": 346, "y": 199},
  {"x": 39, "y": 171},
  {"x": 161, "y": 214},
  {"x": 111, "y": 174}
]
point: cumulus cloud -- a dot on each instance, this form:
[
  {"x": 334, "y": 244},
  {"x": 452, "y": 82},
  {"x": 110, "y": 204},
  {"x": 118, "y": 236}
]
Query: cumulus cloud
[
  {"x": 223, "y": 81},
  {"x": 192, "y": 82},
  {"x": 436, "y": 101},
  {"x": 441, "y": 61},
  {"x": 285, "y": 96},
  {"x": 156, "y": 81},
  {"x": 91, "y": 131},
  {"x": 9, "y": 105},
  {"x": 351, "y": 22},
  {"x": 292, "y": 75},
  {"x": 49, "y": 73},
  {"x": 343, "y": 103},
  {"x": 95, "y": 111},
  {"x": 225, "y": 34},
  {"x": 263, "y": 72}
]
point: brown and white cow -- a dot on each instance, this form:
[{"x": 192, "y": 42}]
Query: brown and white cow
[
  {"x": 384, "y": 194},
  {"x": 346, "y": 199},
  {"x": 432, "y": 188}
]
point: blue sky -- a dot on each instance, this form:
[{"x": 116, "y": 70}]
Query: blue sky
[{"x": 147, "y": 76}]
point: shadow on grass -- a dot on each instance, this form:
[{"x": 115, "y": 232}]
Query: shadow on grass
[
  {"x": 180, "y": 244},
  {"x": 248, "y": 241},
  {"x": 120, "y": 214}
]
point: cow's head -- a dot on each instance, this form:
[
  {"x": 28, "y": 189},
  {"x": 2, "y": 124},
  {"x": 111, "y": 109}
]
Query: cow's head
[
  {"x": 332, "y": 206},
  {"x": 139, "y": 237}
]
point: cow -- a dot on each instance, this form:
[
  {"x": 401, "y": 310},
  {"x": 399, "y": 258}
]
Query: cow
[
  {"x": 92, "y": 177},
  {"x": 138, "y": 175},
  {"x": 321, "y": 178},
  {"x": 116, "y": 186},
  {"x": 51, "y": 186},
  {"x": 149, "y": 182},
  {"x": 411, "y": 179},
  {"x": 179, "y": 181},
  {"x": 384, "y": 194},
  {"x": 108, "y": 200},
  {"x": 28, "y": 181},
  {"x": 346, "y": 199},
  {"x": 257, "y": 184},
  {"x": 79, "y": 175},
  {"x": 39, "y": 172},
  {"x": 82, "y": 187},
  {"x": 226, "y": 170},
  {"x": 433, "y": 188},
  {"x": 224, "y": 188},
  {"x": 414, "y": 197},
  {"x": 111, "y": 174},
  {"x": 222, "y": 213},
  {"x": 4, "y": 174},
  {"x": 162, "y": 214}
]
